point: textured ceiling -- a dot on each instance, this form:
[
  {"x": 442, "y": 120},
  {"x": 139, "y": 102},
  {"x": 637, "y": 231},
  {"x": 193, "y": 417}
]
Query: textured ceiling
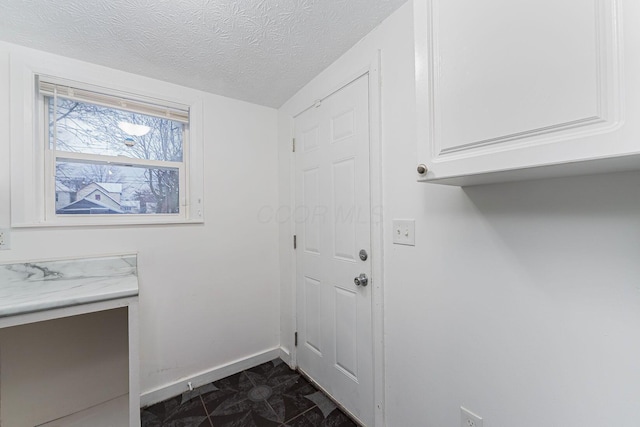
[{"x": 261, "y": 51}]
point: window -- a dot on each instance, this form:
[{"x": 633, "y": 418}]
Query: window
[
  {"x": 119, "y": 150},
  {"x": 92, "y": 146}
]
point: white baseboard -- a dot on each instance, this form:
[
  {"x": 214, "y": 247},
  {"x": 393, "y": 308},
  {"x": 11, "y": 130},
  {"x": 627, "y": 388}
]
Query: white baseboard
[
  {"x": 180, "y": 386},
  {"x": 285, "y": 355}
]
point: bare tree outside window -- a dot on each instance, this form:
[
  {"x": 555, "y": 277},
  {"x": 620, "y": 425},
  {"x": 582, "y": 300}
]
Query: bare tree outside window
[{"x": 80, "y": 127}]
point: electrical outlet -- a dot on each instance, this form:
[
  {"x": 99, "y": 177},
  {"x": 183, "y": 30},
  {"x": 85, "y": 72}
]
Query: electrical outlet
[
  {"x": 469, "y": 419},
  {"x": 404, "y": 232},
  {"x": 5, "y": 239}
]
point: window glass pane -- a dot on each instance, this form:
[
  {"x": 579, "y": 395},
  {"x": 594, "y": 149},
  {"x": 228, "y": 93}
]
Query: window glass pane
[
  {"x": 88, "y": 188},
  {"x": 87, "y": 128}
]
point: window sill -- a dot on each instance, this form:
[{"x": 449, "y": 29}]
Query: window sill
[{"x": 110, "y": 222}]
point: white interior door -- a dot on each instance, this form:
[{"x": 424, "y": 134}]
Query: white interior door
[{"x": 333, "y": 224}]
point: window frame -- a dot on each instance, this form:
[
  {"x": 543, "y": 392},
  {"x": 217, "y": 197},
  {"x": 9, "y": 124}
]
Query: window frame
[{"x": 33, "y": 161}]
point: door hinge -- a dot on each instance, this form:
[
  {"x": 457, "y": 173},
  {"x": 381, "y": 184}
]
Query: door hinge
[
  {"x": 294, "y": 145},
  {"x": 295, "y": 339},
  {"x": 295, "y": 242}
]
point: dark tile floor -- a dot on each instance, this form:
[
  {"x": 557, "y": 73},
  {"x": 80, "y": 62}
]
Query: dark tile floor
[{"x": 268, "y": 395}]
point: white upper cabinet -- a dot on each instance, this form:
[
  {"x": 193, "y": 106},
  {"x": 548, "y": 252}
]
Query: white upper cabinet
[{"x": 518, "y": 89}]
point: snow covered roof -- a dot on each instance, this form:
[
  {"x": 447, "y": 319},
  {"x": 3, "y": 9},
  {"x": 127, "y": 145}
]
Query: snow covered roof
[
  {"x": 130, "y": 203},
  {"x": 111, "y": 187},
  {"x": 63, "y": 188},
  {"x": 86, "y": 206}
]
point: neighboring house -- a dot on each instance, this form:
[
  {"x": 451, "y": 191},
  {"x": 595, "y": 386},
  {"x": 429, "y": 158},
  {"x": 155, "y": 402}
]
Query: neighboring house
[
  {"x": 102, "y": 198},
  {"x": 114, "y": 191},
  {"x": 64, "y": 195},
  {"x": 96, "y": 198},
  {"x": 130, "y": 206},
  {"x": 87, "y": 207}
]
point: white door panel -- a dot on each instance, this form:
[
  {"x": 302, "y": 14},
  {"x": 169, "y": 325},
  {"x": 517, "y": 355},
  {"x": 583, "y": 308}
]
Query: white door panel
[{"x": 333, "y": 224}]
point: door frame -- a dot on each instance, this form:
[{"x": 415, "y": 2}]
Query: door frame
[{"x": 373, "y": 70}]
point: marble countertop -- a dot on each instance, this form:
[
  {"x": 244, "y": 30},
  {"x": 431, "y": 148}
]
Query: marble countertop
[{"x": 36, "y": 286}]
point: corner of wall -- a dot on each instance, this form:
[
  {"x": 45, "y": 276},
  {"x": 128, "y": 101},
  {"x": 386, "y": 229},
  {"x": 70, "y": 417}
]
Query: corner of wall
[{"x": 283, "y": 216}]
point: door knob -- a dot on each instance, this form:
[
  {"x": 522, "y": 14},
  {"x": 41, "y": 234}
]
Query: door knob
[{"x": 361, "y": 280}]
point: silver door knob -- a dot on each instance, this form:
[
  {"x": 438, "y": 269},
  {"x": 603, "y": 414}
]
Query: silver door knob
[{"x": 361, "y": 280}]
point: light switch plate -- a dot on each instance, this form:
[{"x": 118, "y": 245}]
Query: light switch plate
[{"x": 404, "y": 232}]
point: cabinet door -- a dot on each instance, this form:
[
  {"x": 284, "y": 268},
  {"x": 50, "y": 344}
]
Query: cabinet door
[{"x": 514, "y": 84}]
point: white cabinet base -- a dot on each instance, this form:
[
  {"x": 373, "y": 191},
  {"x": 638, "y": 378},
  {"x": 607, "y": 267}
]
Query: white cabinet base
[{"x": 578, "y": 168}]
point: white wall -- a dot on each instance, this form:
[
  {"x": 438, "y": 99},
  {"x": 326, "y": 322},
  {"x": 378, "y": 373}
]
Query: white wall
[
  {"x": 519, "y": 301},
  {"x": 209, "y": 294}
]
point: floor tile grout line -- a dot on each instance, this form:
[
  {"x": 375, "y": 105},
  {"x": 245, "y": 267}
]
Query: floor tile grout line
[
  {"x": 249, "y": 377},
  {"x": 300, "y": 414},
  {"x": 271, "y": 407},
  {"x": 206, "y": 411}
]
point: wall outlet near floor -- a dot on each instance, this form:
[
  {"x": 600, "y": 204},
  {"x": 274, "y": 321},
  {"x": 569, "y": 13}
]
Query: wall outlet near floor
[
  {"x": 5, "y": 239},
  {"x": 469, "y": 419},
  {"x": 404, "y": 232}
]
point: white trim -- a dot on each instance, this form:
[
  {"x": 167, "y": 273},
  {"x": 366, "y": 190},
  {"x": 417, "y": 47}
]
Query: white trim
[
  {"x": 62, "y": 312},
  {"x": 285, "y": 355},
  {"x": 114, "y": 221},
  {"x": 377, "y": 237},
  {"x": 117, "y": 160},
  {"x": 31, "y": 199},
  {"x": 134, "y": 363},
  {"x": 335, "y": 88},
  {"x": 373, "y": 69},
  {"x": 179, "y": 386},
  {"x": 292, "y": 253}
]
